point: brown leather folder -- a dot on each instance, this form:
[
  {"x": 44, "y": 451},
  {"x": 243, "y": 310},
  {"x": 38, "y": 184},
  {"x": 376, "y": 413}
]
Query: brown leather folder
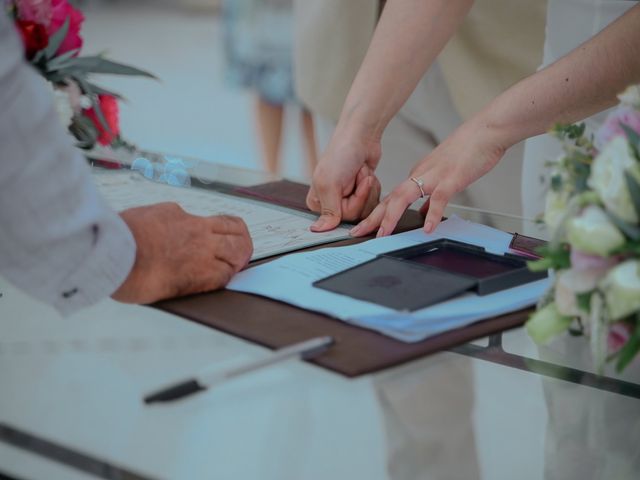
[{"x": 357, "y": 351}]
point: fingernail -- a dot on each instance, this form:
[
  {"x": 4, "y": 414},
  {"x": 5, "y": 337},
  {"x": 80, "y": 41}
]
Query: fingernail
[
  {"x": 355, "y": 230},
  {"x": 428, "y": 227},
  {"x": 318, "y": 225},
  {"x": 380, "y": 232}
]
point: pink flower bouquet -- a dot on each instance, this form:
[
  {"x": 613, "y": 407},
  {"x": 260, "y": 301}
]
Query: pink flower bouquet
[
  {"x": 593, "y": 214},
  {"x": 51, "y": 33}
]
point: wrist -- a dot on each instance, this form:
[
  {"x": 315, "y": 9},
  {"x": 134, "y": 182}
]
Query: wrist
[
  {"x": 357, "y": 121},
  {"x": 493, "y": 124}
]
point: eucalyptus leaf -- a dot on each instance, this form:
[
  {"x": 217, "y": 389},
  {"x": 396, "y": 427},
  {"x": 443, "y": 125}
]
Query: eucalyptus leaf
[
  {"x": 630, "y": 230},
  {"x": 95, "y": 102},
  {"x": 56, "y": 39},
  {"x": 633, "y": 137},
  {"x": 39, "y": 56},
  {"x": 61, "y": 61},
  {"x": 634, "y": 190},
  {"x": 84, "y": 131},
  {"x": 630, "y": 349},
  {"x": 97, "y": 64},
  {"x": 103, "y": 91}
]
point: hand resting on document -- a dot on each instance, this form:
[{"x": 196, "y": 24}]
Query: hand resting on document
[{"x": 179, "y": 253}]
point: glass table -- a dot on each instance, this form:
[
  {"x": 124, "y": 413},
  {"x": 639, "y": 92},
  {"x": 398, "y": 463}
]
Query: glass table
[{"x": 496, "y": 408}]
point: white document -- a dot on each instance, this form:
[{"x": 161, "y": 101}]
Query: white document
[
  {"x": 290, "y": 279},
  {"x": 273, "y": 229}
]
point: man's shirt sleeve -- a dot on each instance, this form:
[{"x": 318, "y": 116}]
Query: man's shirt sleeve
[{"x": 59, "y": 241}]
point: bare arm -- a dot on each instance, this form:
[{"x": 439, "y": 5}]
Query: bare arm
[
  {"x": 578, "y": 85},
  {"x": 409, "y": 36}
]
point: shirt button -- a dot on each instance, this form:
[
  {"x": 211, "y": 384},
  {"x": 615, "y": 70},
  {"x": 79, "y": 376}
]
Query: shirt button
[{"x": 70, "y": 293}]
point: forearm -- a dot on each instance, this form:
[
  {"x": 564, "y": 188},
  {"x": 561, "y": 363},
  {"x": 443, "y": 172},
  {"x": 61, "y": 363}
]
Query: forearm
[
  {"x": 578, "y": 85},
  {"x": 408, "y": 38}
]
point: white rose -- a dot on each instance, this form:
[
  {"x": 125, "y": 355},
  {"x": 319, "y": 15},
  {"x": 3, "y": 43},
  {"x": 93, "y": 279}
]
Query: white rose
[
  {"x": 554, "y": 209},
  {"x": 592, "y": 232},
  {"x": 546, "y": 323},
  {"x": 621, "y": 289},
  {"x": 570, "y": 283},
  {"x": 565, "y": 295},
  {"x": 607, "y": 178},
  {"x": 631, "y": 96}
]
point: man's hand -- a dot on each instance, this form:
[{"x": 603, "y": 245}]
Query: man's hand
[
  {"x": 180, "y": 254},
  {"x": 344, "y": 185}
]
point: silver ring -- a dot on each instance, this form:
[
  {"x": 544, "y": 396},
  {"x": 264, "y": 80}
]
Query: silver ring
[{"x": 420, "y": 184}]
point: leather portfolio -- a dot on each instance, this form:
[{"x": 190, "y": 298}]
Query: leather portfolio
[{"x": 274, "y": 324}]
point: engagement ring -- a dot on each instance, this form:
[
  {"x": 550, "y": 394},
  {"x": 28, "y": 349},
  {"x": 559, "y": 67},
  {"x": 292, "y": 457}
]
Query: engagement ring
[{"x": 420, "y": 184}]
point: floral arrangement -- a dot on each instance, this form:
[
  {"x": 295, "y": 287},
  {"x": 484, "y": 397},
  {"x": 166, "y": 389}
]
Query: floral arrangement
[
  {"x": 51, "y": 33},
  {"x": 593, "y": 215}
]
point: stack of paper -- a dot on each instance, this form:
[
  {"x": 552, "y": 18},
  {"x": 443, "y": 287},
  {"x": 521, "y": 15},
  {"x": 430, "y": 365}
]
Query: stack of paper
[{"x": 290, "y": 279}]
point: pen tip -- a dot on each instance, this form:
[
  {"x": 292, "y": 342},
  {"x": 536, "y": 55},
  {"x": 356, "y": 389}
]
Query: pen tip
[{"x": 175, "y": 392}]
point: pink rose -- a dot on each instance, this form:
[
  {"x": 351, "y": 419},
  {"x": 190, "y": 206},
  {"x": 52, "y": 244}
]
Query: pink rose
[
  {"x": 61, "y": 10},
  {"x": 611, "y": 127},
  {"x": 582, "y": 262},
  {"x": 38, "y": 11},
  {"x": 619, "y": 334}
]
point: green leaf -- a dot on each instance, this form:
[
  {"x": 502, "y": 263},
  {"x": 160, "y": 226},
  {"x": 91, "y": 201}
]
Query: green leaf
[
  {"x": 97, "y": 64},
  {"x": 584, "y": 301},
  {"x": 103, "y": 91},
  {"x": 634, "y": 190},
  {"x": 556, "y": 183},
  {"x": 95, "y": 103},
  {"x": 38, "y": 57},
  {"x": 630, "y": 349},
  {"x": 630, "y": 230},
  {"x": 56, "y": 39},
  {"x": 83, "y": 129},
  {"x": 61, "y": 61},
  {"x": 541, "y": 265},
  {"x": 633, "y": 137},
  {"x": 558, "y": 258}
]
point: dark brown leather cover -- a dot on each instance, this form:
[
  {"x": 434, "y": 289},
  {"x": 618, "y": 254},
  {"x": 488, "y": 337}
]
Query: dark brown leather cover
[
  {"x": 284, "y": 192},
  {"x": 357, "y": 350}
]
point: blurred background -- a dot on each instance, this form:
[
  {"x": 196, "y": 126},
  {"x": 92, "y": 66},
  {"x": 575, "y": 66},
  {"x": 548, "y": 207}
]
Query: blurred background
[
  {"x": 197, "y": 108},
  {"x": 227, "y": 71}
]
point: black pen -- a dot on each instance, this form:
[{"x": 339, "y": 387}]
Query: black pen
[{"x": 199, "y": 383}]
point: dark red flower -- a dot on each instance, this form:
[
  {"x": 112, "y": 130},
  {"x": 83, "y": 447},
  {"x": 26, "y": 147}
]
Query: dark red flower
[
  {"x": 60, "y": 11},
  {"x": 109, "y": 106},
  {"x": 34, "y": 36}
]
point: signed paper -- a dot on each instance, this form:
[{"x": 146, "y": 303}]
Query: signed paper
[
  {"x": 274, "y": 230},
  {"x": 297, "y": 272}
]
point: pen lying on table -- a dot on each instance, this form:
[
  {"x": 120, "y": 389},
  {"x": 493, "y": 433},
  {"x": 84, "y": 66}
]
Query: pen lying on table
[{"x": 199, "y": 383}]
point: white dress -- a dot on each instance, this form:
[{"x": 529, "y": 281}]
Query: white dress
[{"x": 569, "y": 23}]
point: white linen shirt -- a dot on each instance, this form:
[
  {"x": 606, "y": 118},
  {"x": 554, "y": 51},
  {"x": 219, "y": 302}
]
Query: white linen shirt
[{"x": 59, "y": 241}]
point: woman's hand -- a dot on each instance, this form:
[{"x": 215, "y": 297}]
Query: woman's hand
[
  {"x": 468, "y": 154},
  {"x": 344, "y": 185}
]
